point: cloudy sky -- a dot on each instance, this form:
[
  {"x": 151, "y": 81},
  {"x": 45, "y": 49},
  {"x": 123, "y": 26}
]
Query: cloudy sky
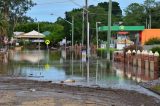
[{"x": 44, "y": 8}]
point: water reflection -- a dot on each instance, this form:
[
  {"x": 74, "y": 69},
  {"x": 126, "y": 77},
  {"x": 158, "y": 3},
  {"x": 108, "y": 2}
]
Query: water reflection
[
  {"x": 88, "y": 72},
  {"x": 135, "y": 73},
  {"x": 62, "y": 65},
  {"x": 30, "y": 56},
  {"x": 63, "y": 55},
  {"x": 58, "y": 66},
  {"x": 97, "y": 71}
]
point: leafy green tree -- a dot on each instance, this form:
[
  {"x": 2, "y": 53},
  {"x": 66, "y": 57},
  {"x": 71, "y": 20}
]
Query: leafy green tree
[
  {"x": 3, "y": 29},
  {"x": 156, "y": 16},
  {"x": 13, "y": 10},
  {"x": 139, "y": 14},
  {"x": 116, "y": 10},
  {"x": 3, "y": 25},
  {"x": 134, "y": 14},
  {"x": 57, "y": 34},
  {"x": 96, "y": 14}
]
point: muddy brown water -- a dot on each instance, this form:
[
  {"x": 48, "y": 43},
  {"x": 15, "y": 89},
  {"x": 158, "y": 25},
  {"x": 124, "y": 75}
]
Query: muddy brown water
[{"x": 62, "y": 65}]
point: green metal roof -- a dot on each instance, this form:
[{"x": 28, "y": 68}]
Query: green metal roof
[
  {"x": 46, "y": 33},
  {"x": 122, "y": 28}
]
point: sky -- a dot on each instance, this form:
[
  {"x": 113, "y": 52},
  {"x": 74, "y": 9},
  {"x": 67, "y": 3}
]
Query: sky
[{"x": 44, "y": 8}]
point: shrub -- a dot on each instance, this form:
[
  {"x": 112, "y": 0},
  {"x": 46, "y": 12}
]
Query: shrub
[
  {"x": 154, "y": 49},
  {"x": 132, "y": 47},
  {"x": 102, "y": 52},
  {"x": 153, "y": 41}
]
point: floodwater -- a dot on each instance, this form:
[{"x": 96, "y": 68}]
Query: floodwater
[{"x": 57, "y": 66}]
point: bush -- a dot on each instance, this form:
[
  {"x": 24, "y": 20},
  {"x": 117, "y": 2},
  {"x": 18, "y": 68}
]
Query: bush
[
  {"x": 132, "y": 47},
  {"x": 156, "y": 49},
  {"x": 102, "y": 52},
  {"x": 153, "y": 41}
]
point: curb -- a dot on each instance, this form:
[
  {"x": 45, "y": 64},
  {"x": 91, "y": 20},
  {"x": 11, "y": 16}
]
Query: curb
[{"x": 154, "y": 91}]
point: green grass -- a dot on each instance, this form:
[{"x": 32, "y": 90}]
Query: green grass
[
  {"x": 103, "y": 52},
  {"x": 156, "y": 88}
]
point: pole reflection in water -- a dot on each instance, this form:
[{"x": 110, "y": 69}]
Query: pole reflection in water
[
  {"x": 83, "y": 60},
  {"x": 72, "y": 63},
  {"x": 91, "y": 72},
  {"x": 146, "y": 71},
  {"x": 137, "y": 73},
  {"x": 38, "y": 58},
  {"x": 88, "y": 72},
  {"x": 134, "y": 73},
  {"x": 96, "y": 71},
  {"x": 82, "y": 68},
  {"x": 152, "y": 70},
  {"x": 63, "y": 55}
]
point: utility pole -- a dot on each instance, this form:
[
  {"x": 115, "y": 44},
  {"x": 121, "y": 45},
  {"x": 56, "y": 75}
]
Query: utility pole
[
  {"x": 150, "y": 21},
  {"x": 146, "y": 23},
  {"x": 148, "y": 9},
  {"x": 97, "y": 32},
  {"x": 83, "y": 28},
  {"x": 87, "y": 23},
  {"x": 109, "y": 29},
  {"x": 72, "y": 31},
  {"x": 87, "y": 11},
  {"x": 88, "y": 47},
  {"x": 39, "y": 38}
]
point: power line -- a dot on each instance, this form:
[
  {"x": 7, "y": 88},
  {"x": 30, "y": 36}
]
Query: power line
[
  {"x": 78, "y": 5},
  {"x": 52, "y": 2}
]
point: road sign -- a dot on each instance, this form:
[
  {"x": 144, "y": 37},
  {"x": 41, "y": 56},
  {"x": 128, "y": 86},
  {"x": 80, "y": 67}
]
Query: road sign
[
  {"x": 47, "y": 42},
  {"x": 121, "y": 27},
  {"x": 124, "y": 28},
  {"x": 84, "y": 56}
]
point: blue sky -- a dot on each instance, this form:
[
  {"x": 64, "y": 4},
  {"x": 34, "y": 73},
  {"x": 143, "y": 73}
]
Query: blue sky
[{"x": 44, "y": 8}]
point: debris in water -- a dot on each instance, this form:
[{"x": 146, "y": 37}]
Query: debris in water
[
  {"x": 32, "y": 90},
  {"x": 68, "y": 81}
]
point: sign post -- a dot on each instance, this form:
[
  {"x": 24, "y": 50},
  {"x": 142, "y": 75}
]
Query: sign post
[
  {"x": 47, "y": 42},
  {"x": 84, "y": 56}
]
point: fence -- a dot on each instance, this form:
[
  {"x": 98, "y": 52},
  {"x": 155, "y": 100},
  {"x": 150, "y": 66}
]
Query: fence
[{"x": 145, "y": 60}]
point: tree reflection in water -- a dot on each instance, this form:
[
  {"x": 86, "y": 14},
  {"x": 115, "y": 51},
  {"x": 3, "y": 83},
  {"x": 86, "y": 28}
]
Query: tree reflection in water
[{"x": 92, "y": 72}]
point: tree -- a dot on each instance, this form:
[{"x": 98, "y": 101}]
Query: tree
[
  {"x": 155, "y": 15},
  {"x": 3, "y": 28},
  {"x": 134, "y": 14},
  {"x": 56, "y": 34},
  {"x": 96, "y": 14},
  {"x": 13, "y": 10},
  {"x": 143, "y": 14},
  {"x": 3, "y": 25},
  {"x": 116, "y": 10},
  {"x": 152, "y": 12}
]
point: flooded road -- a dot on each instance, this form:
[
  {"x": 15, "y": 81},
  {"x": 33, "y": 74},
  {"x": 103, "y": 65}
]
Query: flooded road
[{"x": 57, "y": 66}]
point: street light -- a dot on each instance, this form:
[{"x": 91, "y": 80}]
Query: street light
[
  {"x": 72, "y": 24},
  {"x": 97, "y": 32},
  {"x": 109, "y": 28}
]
